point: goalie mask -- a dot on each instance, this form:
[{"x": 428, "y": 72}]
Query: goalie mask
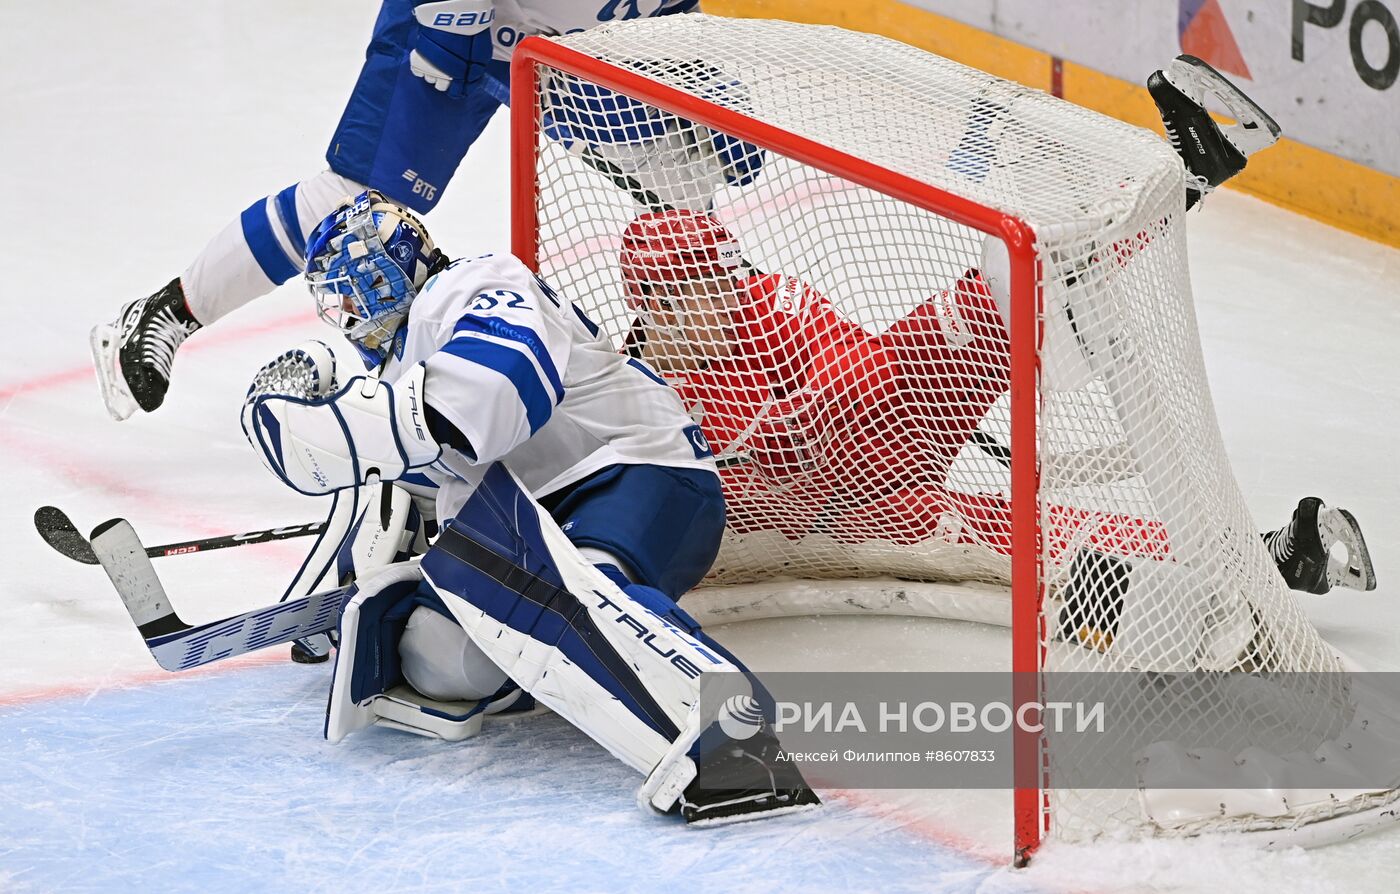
[{"x": 365, "y": 264}]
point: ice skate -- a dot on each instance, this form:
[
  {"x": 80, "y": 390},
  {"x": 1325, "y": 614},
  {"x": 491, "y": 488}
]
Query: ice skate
[
  {"x": 133, "y": 354},
  {"x": 743, "y": 778},
  {"x": 1213, "y": 153},
  {"x": 1304, "y": 550}
]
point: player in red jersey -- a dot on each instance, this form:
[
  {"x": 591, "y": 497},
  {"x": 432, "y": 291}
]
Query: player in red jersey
[
  {"x": 854, "y": 431},
  {"x": 849, "y": 433}
]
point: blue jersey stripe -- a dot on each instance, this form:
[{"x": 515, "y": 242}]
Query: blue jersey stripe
[
  {"x": 646, "y": 371},
  {"x": 588, "y": 324},
  {"x": 548, "y": 290},
  {"x": 417, "y": 478},
  {"x": 287, "y": 212},
  {"x": 514, "y": 366},
  {"x": 262, "y": 242},
  {"x": 521, "y": 335}
]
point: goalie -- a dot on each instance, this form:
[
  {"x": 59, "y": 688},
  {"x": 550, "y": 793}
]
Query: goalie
[{"x": 581, "y": 503}]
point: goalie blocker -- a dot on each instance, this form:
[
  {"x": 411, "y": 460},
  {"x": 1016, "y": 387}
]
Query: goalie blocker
[{"x": 620, "y": 661}]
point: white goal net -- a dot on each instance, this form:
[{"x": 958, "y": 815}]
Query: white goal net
[{"x": 812, "y": 235}]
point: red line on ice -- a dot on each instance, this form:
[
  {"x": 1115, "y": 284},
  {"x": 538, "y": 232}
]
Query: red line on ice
[
  {"x": 205, "y": 341},
  {"x": 93, "y": 687},
  {"x": 37, "y": 449}
]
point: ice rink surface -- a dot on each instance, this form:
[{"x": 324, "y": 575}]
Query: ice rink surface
[{"x": 129, "y": 134}]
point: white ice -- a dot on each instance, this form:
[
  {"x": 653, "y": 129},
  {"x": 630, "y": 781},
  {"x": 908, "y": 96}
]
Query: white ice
[{"x": 131, "y": 132}]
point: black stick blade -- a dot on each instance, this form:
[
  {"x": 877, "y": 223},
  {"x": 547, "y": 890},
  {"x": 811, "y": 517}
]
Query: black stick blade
[{"x": 59, "y": 532}]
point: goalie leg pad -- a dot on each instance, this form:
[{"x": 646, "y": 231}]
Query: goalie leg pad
[
  {"x": 561, "y": 629},
  {"x": 664, "y": 607},
  {"x": 369, "y": 687},
  {"x": 618, "y": 660}
]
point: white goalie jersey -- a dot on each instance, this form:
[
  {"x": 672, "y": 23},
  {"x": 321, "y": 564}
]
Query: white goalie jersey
[{"x": 528, "y": 380}]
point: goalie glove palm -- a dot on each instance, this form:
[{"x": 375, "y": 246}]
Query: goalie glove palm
[
  {"x": 306, "y": 371},
  {"x": 368, "y": 429}
]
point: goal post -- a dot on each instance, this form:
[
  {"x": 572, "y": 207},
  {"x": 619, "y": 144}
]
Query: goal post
[{"x": 1006, "y": 385}]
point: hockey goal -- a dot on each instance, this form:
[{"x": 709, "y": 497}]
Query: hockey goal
[{"x": 975, "y": 358}]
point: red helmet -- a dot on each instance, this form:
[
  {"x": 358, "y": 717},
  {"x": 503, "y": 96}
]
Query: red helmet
[{"x": 662, "y": 247}]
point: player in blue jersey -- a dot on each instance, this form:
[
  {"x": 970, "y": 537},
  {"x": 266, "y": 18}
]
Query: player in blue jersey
[
  {"x": 581, "y": 503},
  {"x": 434, "y": 74}
]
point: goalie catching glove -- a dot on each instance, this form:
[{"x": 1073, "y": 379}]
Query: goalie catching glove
[{"x": 317, "y": 439}]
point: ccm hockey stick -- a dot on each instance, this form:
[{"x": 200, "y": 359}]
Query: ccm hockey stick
[
  {"x": 178, "y": 646},
  {"x": 60, "y": 533}
]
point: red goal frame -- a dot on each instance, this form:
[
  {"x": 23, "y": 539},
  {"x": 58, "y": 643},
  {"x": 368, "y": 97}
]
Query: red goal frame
[{"x": 1030, "y": 806}]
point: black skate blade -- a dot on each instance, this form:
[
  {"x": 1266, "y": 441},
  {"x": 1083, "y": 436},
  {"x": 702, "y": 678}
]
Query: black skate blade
[
  {"x": 1255, "y": 128},
  {"x": 1357, "y": 572},
  {"x": 747, "y": 805}
]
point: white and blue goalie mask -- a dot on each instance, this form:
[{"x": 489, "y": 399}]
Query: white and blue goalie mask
[{"x": 365, "y": 264}]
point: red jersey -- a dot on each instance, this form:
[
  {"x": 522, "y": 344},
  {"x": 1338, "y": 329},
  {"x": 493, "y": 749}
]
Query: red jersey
[
  {"x": 808, "y": 400},
  {"x": 898, "y": 404},
  {"x": 851, "y": 433}
]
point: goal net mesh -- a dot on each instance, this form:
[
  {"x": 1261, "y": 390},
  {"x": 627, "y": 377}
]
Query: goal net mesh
[{"x": 852, "y": 371}]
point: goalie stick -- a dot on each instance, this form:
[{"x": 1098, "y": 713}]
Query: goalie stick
[
  {"x": 60, "y": 533},
  {"x": 178, "y": 646}
]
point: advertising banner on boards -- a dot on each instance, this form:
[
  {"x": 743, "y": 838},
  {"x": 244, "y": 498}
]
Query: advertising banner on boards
[{"x": 1327, "y": 70}]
